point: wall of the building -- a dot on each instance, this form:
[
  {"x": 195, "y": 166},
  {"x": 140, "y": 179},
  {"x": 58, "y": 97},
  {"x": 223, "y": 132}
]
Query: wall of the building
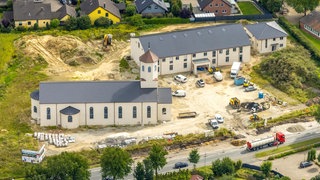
[
  {"x": 153, "y": 9},
  {"x": 218, "y": 7},
  {"x": 151, "y": 78},
  {"x": 94, "y": 15},
  {"x": 35, "y": 115},
  {"x": 136, "y": 50},
  {"x": 70, "y": 125},
  {"x": 265, "y": 47},
  {"x": 30, "y": 23},
  {"x": 164, "y": 116},
  {"x": 53, "y": 121}
]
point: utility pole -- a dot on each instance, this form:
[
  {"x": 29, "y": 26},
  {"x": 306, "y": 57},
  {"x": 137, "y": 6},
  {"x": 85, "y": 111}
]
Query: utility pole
[{"x": 205, "y": 159}]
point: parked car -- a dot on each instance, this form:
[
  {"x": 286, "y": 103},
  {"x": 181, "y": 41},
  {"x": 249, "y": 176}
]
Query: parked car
[
  {"x": 218, "y": 76},
  {"x": 200, "y": 68},
  {"x": 200, "y": 83},
  {"x": 180, "y": 78},
  {"x": 304, "y": 164},
  {"x": 179, "y": 93},
  {"x": 219, "y": 118},
  {"x": 250, "y": 88},
  {"x": 179, "y": 165},
  {"x": 214, "y": 123}
]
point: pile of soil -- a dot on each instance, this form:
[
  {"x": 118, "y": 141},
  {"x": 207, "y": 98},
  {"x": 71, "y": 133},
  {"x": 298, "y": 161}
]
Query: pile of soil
[{"x": 295, "y": 128}]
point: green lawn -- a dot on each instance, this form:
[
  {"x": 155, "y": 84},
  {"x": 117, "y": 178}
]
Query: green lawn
[
  {"x": 248, "y": 8},
  {"x": 312, "y": 39}
]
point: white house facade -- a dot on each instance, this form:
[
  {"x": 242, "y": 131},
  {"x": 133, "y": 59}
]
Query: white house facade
[
  {"x": 86, "y": 103},
  {"x": 267, "y": 36},
  {"x": 184, "y": 51}
]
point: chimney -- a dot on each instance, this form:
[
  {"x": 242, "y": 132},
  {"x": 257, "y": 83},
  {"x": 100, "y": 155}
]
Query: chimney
[{"x": 104, "y": 5}]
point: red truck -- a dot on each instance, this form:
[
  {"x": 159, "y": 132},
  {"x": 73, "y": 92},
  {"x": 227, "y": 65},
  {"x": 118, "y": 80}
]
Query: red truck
[{"x": 279, "y": 138}]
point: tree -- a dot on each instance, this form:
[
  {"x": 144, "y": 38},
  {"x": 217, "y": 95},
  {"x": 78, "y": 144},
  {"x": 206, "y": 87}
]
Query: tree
[
  {"x": 312, "y": 154},
  {"x": 216, "y": 168},
  {"x": 54, "y": 23},
  {"x": 84, "y": 22},
  {"x": 35, "y": 26},
  {"x": 148, "y": 169},
  {"x": 194, "y": 157},
  {"x": 130, "y": 10},
  {"x": 238, "y": 165},
  {"x": 5, "y": 23},
  {"x": 139, "y": 172},
  {"x": 272, "y": 5},
  {"x": 157, "y": 157},
  {"x": 71, "y": 24},
  {"x": 102, "y": 22},
  {"x": 224, "y": 166},
  {"x": 266, "y": 168},
  {"x": 135, "y": 20},
  {"x": 318, "y": 158},
  {"x": 317, "y": 177},
  {"x": 185, "y": 13},
  {"x": 191, "y": 8},
  {"x": 302, "y": 6},
  {"x": 115, "y": 162},
  {"x": 175, "y": 9}
]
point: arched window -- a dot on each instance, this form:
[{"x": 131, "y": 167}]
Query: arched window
[
  {"x": 48, "y": 113},
  {"x": 105, "y": 112},
  {"x": 91, "y": 113},
  {"x": 35, "y": 109},
  {"x": 142, "y": 68},
  {"x": 148, "y": 111},
  {"x": 134, "y": 112},
  {"x": 155, "y": 67},
  {"x": 69, "y": 118},
  {"x": 119, "y": 112},
  {"x": 164, "y": 111},
  {"x": 149, "y": 69}
]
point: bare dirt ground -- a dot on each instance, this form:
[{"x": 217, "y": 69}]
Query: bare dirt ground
[{"x": 97, "y": 64}]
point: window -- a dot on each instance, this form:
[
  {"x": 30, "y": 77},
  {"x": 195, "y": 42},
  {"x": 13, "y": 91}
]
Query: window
[
  {"x": 227, "y": 52},
  {"x": 240, "y": 57},
  {"x": 205, "y": 54},
  {"x": 274, "y": 39},
  {"x": 20, "y": 23},
  {"x": 69, "y": 118},
  {"x": 99, "y": 11},
  {"x": 217, "y": 5},
  {"x": 149, "y": 69},
  {"x": 29, "y": 22},
  {"x": 185, "y": 65},
  {"x": 281, "y": 38},
  {"x": 210, "y": 5},
  {"x": 213, "y": 53},
  {"x": 148, "y": 111},
  {"x": 155, "y": 67},
  {"x": 134, "y": 112},
  {"x": 149, "y": 7},
  {"x": 177, "y": 57},
  {"x": 194, "y": 55},
  {"x": 224, "y": 11},
  {"x": 220, "y": 51},
  {"x": 35, "y": 109},
  {"x": 234, "y": 49},
  {"x": 156, "y": 7},
  {"x": 138, "y": 45},
  {"x": 48, "y": 113},
  {"x": 119, "y": 112},
  {"x": 266, "y": 44},
  {"x": 171, "y": 67},
  {"x": 164, "y": 111},
  {"x": 171, "y": 62},
  {"x": 240, "y": 49},
  {"x": 164, "y": 60},
  {"x": 221, "y": 4},
  {"x": 227, "y": 59},
  {"x": 91, "y": 112},
  {"x": 185, "y": 60},
  {"x": 142, "y": 68},
  {"x": 216, "y": 11},
  {"x": 281, "y": 45},
  {"x": 213, "y": 61},
  {"x": 105, "y": 112},
  {"x": 107, "y": 14}
]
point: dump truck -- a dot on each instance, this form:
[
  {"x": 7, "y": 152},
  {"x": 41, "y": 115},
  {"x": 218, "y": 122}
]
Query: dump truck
[{"x": 278, "y": 138}]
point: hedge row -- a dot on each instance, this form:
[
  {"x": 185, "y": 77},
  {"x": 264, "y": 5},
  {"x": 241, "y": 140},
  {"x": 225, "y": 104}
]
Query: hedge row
[
  {"x": 287, "y": 153},
  {"x": 166, "y": 21},
  {"x": 300, "y": 37}
]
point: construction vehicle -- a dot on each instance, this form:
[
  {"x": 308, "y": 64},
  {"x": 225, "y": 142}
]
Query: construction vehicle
[
  {"x": 269, "y": 141},
  {"x": 255, "y": 117},
  {"x": 247, "y": 83},
  {"x": 107, "y": 40},
  {"x": 234, "y": 103},
  {"x": 213, "y": 69}
]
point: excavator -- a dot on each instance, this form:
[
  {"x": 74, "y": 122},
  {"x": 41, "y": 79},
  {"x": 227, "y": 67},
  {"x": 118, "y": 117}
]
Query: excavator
[
  {"x": 234, "y": 103},
  {"x": 255, "y": 117}
]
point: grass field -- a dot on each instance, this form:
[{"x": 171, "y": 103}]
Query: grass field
[
  {"x": 248, "y": 8},
  {"x": 312, "y": 39}
]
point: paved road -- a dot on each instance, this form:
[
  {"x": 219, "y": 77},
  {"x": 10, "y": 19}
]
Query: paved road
[{"x": 234, "y": 153}]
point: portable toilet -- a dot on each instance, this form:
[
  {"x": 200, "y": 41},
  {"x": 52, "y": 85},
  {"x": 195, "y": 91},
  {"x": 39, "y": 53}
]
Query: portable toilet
[
  {"x": 239, "y": 80},
  {"x": 260, "y": 95}
]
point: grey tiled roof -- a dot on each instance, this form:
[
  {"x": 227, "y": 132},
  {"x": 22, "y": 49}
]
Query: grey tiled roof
[
  {"x": 121, "y": 6},
  {"x": 312, "y": 20},
  {"x": 35, "y": 95},
  {"x": 99, "y": 92},
  {"x": 29, "y": 10},
  {"x": 66, "y": 10},
  {"x": 195, "y": 40},
  {"x": 266, "y": 30},
  {"x": 143, "y": 4},
  {"x": 205, "y": 3},
  {"x": 87, "y": 6},
  {"x": 69, "y": 111}
]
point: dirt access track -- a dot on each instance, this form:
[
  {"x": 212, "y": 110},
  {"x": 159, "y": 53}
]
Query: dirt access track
[{"x": 97, "y": 64}]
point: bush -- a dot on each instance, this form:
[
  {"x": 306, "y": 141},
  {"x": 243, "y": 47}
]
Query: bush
[
  {"x": 166, "y": 21},
  {"x": 71, "y": 24},
  {"x": 54, "y": 23},
  {"x": 124, "y": 65},
  {"x": 130, "y": 10},
  {"x": 35, "y": 26},
  {"x": 84, "y": 22},
  {"x": 135, "y": 20},
  {"x": 102, "y": 22},
  {"x": 21, "y": 28}
]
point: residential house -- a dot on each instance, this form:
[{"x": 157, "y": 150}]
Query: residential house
[
  {"x": 151, "y": 7},
  {"x": 121, "y": 6},
  {"x": 218, "y": 7},
  {"x": 27, "y": 12},
  {"x": 267, "y": 36},
  {"x": 311, "y": 23},
  {"x": 78, "y": 103},
  {"x": 65, "y": 12},
  {"x": 100, "y": 8},
  {"x": 185, "y": 50}
]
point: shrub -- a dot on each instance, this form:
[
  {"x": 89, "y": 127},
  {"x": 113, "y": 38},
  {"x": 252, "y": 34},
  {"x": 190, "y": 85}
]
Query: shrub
[
  {"x": 124, "y": 65},
  {"x": 54, "y": 23},
  {"x": 84, "y": 22},
  {"x": 102, "y": 22},
  {"x": 21, "y": 28},
  {"x": 35, "y": 26},
  {"x": 165, "y": 21},
  {"x": 135, "y": 20},
  {"x": 130, "y": 10},
  {"x": 71, "y": 24}
]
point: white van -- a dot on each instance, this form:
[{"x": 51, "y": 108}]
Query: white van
[
  {"x": 235, "y": 69},
  {"x": 179, "y": 93},
  {"x": 218, "y": 76}
]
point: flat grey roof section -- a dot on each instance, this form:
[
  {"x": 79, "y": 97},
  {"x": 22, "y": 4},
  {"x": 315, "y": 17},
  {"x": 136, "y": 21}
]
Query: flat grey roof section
[
  {"x": 96, "y": 92},
  {"x": 266, "y": 30},
  {"x": 165, "y": 96},
  {"x": 196, "y": 40},
  {"x": 200, "y": 61}
]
